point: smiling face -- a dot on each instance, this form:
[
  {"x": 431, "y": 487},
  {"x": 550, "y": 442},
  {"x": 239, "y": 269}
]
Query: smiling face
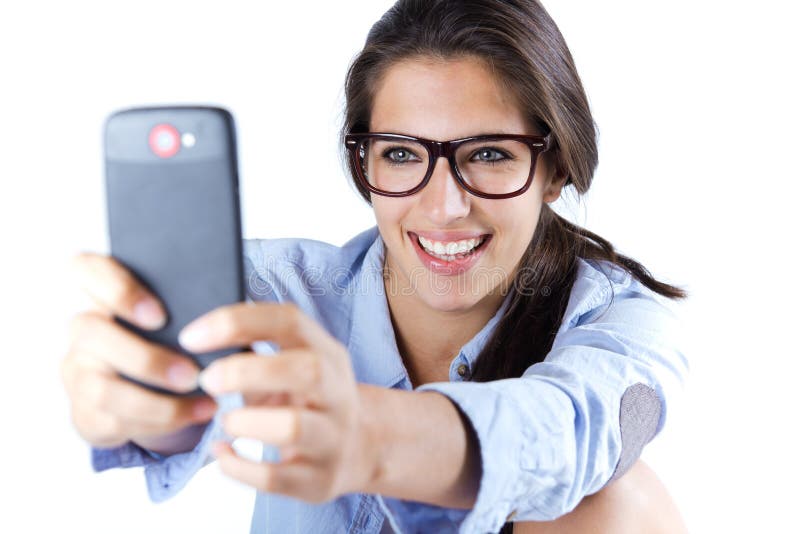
[{"x": 429, "y": 235}]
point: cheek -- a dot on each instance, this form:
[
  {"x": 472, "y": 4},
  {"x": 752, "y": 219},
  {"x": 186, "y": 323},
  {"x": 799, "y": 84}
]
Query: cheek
[
  {"x": 389, "y": 215},
  {"x": 520, "y": 213},
  {"x": 518, "y": 223}
]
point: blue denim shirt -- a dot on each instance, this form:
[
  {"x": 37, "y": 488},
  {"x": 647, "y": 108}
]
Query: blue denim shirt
[{"x": 560, "y": 432}]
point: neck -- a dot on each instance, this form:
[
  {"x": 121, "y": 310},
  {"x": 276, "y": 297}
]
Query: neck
[{"x": 428, "y": 339}]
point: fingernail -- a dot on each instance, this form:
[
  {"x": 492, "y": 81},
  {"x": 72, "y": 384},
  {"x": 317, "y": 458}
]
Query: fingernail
[
  {"x": 204, "y": 409},
  {"x": 149, "y": 314},
  {"x": 195, "y": 336},
  {"x": 182, "y": 376},
  {"x": 211, "y": 380}
]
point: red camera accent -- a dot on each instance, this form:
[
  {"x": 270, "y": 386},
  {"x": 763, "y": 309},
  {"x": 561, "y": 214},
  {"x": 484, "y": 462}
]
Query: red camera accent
[{"x": 165, "y": 141}]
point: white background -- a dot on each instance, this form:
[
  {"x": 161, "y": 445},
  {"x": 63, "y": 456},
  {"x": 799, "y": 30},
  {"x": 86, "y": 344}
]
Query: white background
[{"x": 697, "y": 112}]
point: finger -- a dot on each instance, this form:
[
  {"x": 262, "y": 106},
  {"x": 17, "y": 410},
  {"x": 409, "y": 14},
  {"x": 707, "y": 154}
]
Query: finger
[
  {"x": 138, "y": 408},
  {"x": 96, "y": 308},
  {"x": 267, "y": 399},
  {"x": 307, "y": 432},
  {"x": 290, "y": 371},
  {"x": 295, "y": 479},
  {"x": 75, "y": 364},
  {"x": 108, "y": 342},
  {"x": 100, "y": 429},
  {"x": 246, "y": 323},
  {"x": 105, "y": 430},
  {"x": 117, "y": 290}
]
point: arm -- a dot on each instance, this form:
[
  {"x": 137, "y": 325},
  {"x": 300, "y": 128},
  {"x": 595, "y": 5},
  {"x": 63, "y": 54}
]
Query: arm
[
  {"x": 173, "y": 457},
  {"x": 545, "y": 440},
  {"x": 397, "y": 423},
  {"x": 114, "y": 415},
  {"x": 562, "y": 431}
]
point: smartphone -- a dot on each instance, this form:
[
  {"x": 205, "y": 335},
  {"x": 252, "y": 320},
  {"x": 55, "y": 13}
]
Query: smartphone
[{"x": 173, "y": 212}]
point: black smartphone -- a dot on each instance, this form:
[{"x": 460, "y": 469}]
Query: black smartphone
[{"x": 173, "y": 212}]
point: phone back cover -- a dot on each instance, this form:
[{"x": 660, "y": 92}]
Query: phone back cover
[{"x": 175, "y": 222}]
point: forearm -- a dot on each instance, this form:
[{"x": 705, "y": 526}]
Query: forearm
[{"x": 426, "y": 450}]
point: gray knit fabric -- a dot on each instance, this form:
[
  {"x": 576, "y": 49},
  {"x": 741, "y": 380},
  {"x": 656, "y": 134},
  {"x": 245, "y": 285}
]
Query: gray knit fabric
[{"x": 639, "y": 414}]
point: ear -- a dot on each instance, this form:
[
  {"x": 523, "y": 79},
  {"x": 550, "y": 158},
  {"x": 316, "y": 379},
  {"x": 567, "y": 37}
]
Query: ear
[{"x": 552, "y": 190}]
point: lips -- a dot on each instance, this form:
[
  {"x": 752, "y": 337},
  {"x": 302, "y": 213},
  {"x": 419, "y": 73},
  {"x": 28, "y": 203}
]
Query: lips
[{"x": 443, "y": 264}]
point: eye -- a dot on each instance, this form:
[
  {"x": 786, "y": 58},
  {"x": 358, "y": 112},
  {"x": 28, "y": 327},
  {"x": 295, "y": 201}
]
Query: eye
[
  {"x": 490, "y": 155},
  {"x": 399, "y": 155}
]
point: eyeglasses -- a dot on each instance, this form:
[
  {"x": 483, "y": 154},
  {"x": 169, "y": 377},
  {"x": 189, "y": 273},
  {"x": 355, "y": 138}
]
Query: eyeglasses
[{"x": 488, "y": 166}]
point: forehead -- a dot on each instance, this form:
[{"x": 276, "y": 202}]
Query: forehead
[{"x": 444, "y": 99}]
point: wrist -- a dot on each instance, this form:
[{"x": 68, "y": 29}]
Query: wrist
[
  {"x": 180, "y": 441},
  {"x": 405, "y": 433}
]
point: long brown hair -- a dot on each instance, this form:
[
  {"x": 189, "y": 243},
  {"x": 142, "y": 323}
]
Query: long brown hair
[{"x": 523, "y": 47}]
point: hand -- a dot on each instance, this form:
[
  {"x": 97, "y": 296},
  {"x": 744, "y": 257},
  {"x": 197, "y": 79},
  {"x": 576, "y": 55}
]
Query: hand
[
  {"x": 107, "y": 410},
  {"x": 303, "y": 400}
]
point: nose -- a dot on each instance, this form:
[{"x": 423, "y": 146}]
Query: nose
[{"x": 443, "y": 199}]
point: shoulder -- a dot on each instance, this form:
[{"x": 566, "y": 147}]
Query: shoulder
[
  {"x": 304, "y": 251},
  {"x": 280, "y": 268},
  {"x": 602, "y": 287}
]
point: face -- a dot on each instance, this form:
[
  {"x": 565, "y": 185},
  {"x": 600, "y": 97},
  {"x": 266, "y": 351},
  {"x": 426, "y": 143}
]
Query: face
[{"x": 445, "y": 100}]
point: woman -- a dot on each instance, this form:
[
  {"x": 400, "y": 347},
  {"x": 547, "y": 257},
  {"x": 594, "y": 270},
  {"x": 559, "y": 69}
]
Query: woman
[{"x": 540, "y": 360}]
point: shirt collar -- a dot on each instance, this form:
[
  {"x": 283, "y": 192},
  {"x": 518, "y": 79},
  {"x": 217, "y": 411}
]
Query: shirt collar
[
  {"x": 472, "y": 349},
  {"x": 372, "y": 343}
]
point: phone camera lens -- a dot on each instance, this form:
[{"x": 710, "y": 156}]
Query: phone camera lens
[{"x": 165, "y": 141}]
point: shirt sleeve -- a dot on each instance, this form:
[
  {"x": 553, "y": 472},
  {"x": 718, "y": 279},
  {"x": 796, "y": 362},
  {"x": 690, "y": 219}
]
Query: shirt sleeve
[{"x": 571, "y": 423}]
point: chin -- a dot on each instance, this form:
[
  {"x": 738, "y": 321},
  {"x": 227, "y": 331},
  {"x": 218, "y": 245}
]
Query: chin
[{"x": 454, "y": 300}]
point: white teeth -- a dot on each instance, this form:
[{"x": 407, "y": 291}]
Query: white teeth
[{"x": 449, "y": 249}]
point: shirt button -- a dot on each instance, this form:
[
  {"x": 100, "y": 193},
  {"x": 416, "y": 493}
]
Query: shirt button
[{"x": 462, "y": 370}]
